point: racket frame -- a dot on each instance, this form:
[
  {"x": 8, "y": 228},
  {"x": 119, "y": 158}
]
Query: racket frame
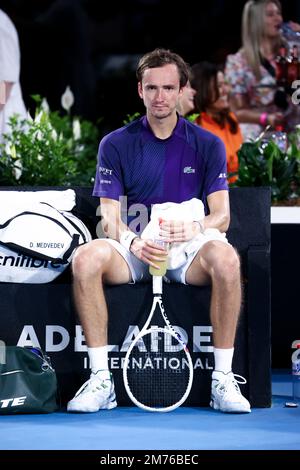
[{"x": 157, "y": 300}]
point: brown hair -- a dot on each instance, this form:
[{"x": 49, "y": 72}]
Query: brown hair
[
  {"x": 159, "y": 58},
  {"x": 204, "y": 80}
]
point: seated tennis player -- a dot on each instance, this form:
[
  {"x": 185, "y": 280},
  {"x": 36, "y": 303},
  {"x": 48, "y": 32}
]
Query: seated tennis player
[{"x": 159, "y": 158}]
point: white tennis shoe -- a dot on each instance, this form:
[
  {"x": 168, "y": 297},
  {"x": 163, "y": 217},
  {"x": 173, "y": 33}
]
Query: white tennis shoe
[
  {"x": 94, "y": 395},
  {"x": 226, "y": 395}
]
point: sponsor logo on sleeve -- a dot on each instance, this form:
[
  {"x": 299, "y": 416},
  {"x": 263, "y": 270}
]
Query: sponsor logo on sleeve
[{"x": 105, "y": 171}]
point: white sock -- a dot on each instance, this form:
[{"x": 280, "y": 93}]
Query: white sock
[
  {"x": 223, "y": 359},
  {"x": 98, "y": 359}
]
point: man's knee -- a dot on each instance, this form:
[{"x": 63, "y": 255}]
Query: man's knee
[
  {"x": 91, "y": 259},
  {"x": 225, "y": 261},
  {"x": 228, "y": 265}
]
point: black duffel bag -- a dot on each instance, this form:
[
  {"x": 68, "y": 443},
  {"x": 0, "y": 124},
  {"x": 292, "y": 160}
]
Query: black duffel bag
[{"x": 28, "y": 382}]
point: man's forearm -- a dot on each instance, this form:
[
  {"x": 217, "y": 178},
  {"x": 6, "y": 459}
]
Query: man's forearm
[
  {"x": 116, "y": 229},
  {"x": 216, "y": 220},
  {"x": 112, "y": 224}
]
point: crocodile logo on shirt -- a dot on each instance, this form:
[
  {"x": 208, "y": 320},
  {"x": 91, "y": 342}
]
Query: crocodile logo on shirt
[{"x": 188, "y": 170}]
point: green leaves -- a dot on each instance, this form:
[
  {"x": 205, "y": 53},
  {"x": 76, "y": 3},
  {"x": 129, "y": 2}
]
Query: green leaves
[
  {"x": 49, "y": 150},
  {"x": 262, "y": 163},
  {"x": 131, "y": 117},
  {"x": 192, "y": 117}
]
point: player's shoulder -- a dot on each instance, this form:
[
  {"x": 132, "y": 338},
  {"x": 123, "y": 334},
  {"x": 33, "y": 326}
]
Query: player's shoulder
[
  {"x": 123, "y": 134},
  {"x": 201, "y": 136}
]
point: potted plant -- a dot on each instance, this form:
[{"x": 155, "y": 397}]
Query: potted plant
[
  {"x": 264, "y": 163},
  {"x": 49, "y": 150}
]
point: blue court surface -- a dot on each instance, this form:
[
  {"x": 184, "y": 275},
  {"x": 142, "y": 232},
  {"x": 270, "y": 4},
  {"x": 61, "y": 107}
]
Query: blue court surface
[{"x": 130, "y": 428}]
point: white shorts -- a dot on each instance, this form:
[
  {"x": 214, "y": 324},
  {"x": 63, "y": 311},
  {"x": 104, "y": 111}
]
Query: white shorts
[{"x": 140, "y": 271}]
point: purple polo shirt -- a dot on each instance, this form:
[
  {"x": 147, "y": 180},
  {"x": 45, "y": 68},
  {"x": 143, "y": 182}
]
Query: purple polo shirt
[{"x": 133, "y": 162}]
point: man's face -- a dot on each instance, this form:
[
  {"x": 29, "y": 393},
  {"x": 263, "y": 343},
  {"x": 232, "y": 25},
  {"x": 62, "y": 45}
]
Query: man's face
[{"x": 160, "y": 90}]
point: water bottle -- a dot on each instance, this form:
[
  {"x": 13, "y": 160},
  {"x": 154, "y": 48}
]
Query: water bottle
[
  {"x": 296, "y": 375},
  {"x": 161, "y": 264}
]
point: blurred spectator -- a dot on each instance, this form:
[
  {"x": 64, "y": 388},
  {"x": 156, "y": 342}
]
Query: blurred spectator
[
  {"x": 186, "y": 101},
  {"x": 251, "y": 71},
  {"x": 211, "y": 102},
  {"x": 11, "y": 100}
]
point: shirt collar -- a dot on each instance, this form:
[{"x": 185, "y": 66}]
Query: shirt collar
[{"x": 179, "y": 129}]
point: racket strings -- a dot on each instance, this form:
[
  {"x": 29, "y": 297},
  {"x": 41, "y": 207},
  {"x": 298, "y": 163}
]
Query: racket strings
[{"x": 158, "y": 371}]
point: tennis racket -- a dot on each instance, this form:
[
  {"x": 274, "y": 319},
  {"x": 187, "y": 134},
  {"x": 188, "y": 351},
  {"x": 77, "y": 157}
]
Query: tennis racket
[{"x": 158, "y": 369}]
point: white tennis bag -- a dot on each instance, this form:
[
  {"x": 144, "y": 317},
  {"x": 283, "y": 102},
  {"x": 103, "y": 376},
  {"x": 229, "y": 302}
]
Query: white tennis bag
[{"x": 37, "y": 241}]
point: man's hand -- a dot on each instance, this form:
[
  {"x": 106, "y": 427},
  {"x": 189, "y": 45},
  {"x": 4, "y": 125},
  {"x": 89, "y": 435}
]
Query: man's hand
[
  {"x": 178, "y": 230},
  {"x": 148, "y": 252}
]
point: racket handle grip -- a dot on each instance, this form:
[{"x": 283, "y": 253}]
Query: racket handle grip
[{"x": 157, "y": 282}]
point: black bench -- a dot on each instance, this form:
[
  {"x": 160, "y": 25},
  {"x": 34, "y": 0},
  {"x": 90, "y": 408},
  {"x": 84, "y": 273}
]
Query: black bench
[{"x": 45, "y": 311}]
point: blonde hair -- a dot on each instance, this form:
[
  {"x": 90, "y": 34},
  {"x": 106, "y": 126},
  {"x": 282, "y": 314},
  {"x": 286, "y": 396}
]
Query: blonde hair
[{"x": 253, "y": 32}]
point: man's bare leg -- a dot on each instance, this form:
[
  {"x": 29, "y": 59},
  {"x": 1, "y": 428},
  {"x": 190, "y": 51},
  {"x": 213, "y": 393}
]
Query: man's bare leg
[
  {"x": 93, "y": 264},
  {"x": 218, "y": 263}
]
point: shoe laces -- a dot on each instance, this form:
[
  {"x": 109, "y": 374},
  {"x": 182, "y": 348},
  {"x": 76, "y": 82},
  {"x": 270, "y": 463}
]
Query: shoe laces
[
  {"x": 230, "y": 384},
  {"x": 94, "y": 384}
]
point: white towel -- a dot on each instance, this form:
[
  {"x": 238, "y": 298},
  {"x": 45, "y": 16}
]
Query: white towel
[
  {"x": 186, "y": 211},
  {"x": 11, "y": 202}
]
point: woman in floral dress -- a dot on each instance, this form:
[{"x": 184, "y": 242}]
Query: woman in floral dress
[{"x": 251, "y": 71}]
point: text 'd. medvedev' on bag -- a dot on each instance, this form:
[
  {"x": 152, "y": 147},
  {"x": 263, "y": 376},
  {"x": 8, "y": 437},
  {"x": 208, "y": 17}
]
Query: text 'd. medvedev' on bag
[{"x": 37, "y": 239}]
